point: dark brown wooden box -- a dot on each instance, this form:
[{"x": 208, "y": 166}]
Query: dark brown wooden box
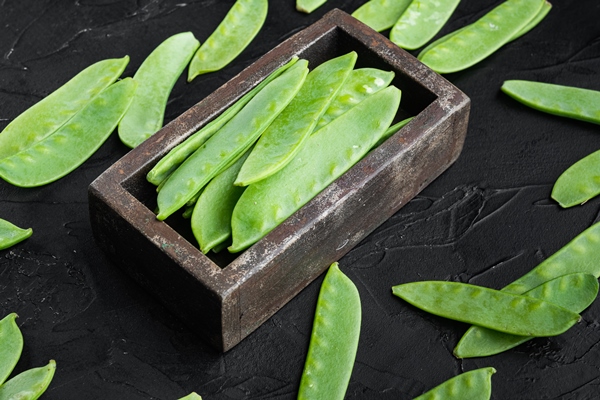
[{"x": 226, "y": 297}]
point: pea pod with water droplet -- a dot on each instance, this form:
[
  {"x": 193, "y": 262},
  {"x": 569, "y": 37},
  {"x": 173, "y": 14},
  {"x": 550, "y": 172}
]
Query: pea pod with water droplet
[
  {"x": 11, "y": 234},
  {"x": 471, "y": 385},
  {"x": 380, "y": 14},
  {"x": 11, "y": 345},
  {"x": 30, "y": 384}
]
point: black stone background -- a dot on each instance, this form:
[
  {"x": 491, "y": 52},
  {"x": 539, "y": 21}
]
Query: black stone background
[{"x": 487, "y": 220}]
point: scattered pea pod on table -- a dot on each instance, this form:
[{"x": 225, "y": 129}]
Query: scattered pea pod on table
[
  {"x": 380, "y": 14},
  {"x": 30, "y": 384},
  {"x": 334, "y": 339},
  {"x": 11, "y": 234},
  {"x": 11, "y": 345},
  {"x": 471, "y": 385},
  {"x": 239, "y": 27},
  {"x": 155, "y": 77},
  {"x": 308, "y": 6}
]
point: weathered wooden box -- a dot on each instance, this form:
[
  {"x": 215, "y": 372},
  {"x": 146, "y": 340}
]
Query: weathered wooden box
[{"x": 226, "y": 297}]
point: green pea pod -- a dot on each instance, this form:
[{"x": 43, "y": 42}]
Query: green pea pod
[
  {"x": 282, "y": 140},
  {"x": 578, "y": 183},
  {"x": 471, "y": 385},
  {"x": 421, "y": 21},
  {"x": 45, "y": 117},
  {"x": 334, "y": 339},
  {"x": 192, "y": 396},
  {"x": 308, "y": 6},
  {"x": 574, "y": 292},
  {"x": 230, "y": 141},
  {"x": 11, "y": 345},
  {"x": 480, "y": 39},
  {"x": 234, "y": 33},
  {"x": 381, "y": 14},
  {"x": 175, "y": 157},
  {"x": 326, "y": 155},
  {"x": 28, "y": 385},
  {"x": 11, "y": 234},
  {"x": 156, "y": 77},
  {"x": 72, "y": 144},
  {"x": 494, "y": 309}
]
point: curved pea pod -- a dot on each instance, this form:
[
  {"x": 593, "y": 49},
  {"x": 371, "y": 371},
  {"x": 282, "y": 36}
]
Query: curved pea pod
[
  {"x": 234, "y": 33},
  {"x": 192, "y": 396},
  {"x": 282, "y": 140},
  {"x": 155, "y": 77},
  {"x": 574, "y": 292},
  {"x": 494, "y": 309},
  {"x": 11, "y": 345},
  {"x": 326, "y": 155},
  {"x": 230, "y": 141},
  {"x": 11, "y": 234},
  {"x": 380, "y": 14},
  {"x": 471, "y": 385},
  {"x": 165, "y": 167},
  {"x": 334, "y": 339},
  {"x": 308, "y": 6},
  {"x": 46, "y": 116},
  {"x": 578, "y": 183},
  {"x": 480, "y": 39},
  {"x": 421, "y": 21},
  {"x": 68, "y": 147},
  {"x": 28, "y": 385}
]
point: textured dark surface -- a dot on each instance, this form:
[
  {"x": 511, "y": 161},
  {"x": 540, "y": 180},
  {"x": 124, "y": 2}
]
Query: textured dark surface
[{"x": 486, "y": 220}]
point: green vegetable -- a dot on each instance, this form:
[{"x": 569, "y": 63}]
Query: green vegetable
[
  {"x": 11, "y": 345},
  {"x": 11, "y": 234},
  {"x": 334, "y": 339},
  {"x": 192, "y": 396},
  {"x": 494, "y": 309},
  {"x": 578, "y": 183},
  {"x": 308, "y": 6},
  {"x": 156, "y": 77},
  {"x": 472, "y": 385},
  {"x": 234, "y": 33},
  {"x": 380, "y": 14},
  {"x": 28, "y": 385}
]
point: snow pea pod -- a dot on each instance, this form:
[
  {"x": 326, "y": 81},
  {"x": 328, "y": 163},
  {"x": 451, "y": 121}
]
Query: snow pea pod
[
  {"x": 574, "y": 292},
  {"x": 156, "y": 77},
  {"x": 380, "y": 14},
  {"x": 282, "y": 140},
  {"x": 326, "y": 155},
  {"x": 308, "y": 6},
  {"x": 28, "y": 385},
  {"x": 421, "y": 21},
  {"x": 192, "y": 396},
  {"x": 11, "y": 345},
  {"x": 578, "y": 183},
  {"x": 471, "y": 385},
  {"x": 159, "y": 173},
  {"x": 334, "y": 339},
  {"x": 11, "y": 234},
  {"x": 494, "y": 309},
  {"x": 480, "y": 39},
  {"x": 72, "y": 144},
  {"x": 230, "y": 141},
  {"x": 234, "y": 33},
  {"x": 46, "y": 116}
]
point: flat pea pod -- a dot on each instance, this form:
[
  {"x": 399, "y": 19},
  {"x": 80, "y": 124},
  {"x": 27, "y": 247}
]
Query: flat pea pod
[
  {"x": 192, "y": 396},
  {"x": 494, "y": 309},
  {"x": 28, "y": 385},
  {"x": 46, "y": 116},
  {"x": 308, "y": 6},
  {"x": 159, "y": 173},
  {"x": 155, "y": 77},
  {"x": 380, "y": 14},
  {"x": 578, "y": 183},
  {"x": 471, "y": 385},
  {"x": 421, "y": 21},
  {"x": 282, "y": 140},
  {"x": 574, "y": 292},
  {"x": 72, "y": 144},
  {"x": 241, "y": 24},
  {"x": 230, "y": 141},
  {"x": 326, "y": 155},
  {"x": 334, "y": 339},
  {"x": 480, "y": 39},
  {"x": 11, "y": 234},
  {"x": 11, "y": 345}
]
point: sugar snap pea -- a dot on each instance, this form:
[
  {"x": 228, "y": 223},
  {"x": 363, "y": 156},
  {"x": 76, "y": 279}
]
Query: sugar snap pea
[
  {"x": 308, "y": 6},
  {"x": 230, "y": 141},
  {"x": 494, "y": 309},
  {"x": 11, "y": 234},
  {"x": 421, "y": 21},
  {"x": 45, "y": 117},
  {"x": 284, "y": 137},
  {"x": 380, "y": 14},
  {"x": 334, "y": 339},
  {"x": 155, "y": 77},
  {"x": 326, "y": 155},
  {"x": 28, "y": 385},
  {"x": 471, "y": 385},
  {"x": 578, "y": 183},
  {"x": 72, "y": 144},
  {"x": 574, "y": 292},
  {"x": 11, "y": 345},
  {"x": 473, "y": 43},
  {"x": 234, "y": 33}
]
